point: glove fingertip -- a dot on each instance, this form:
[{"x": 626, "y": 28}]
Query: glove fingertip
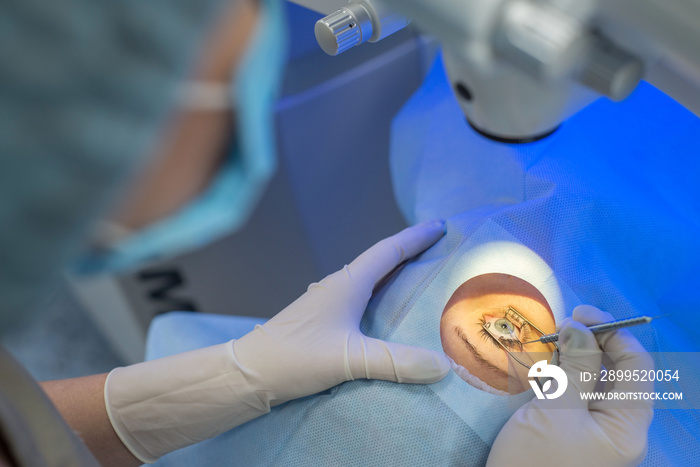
[
  {"x": 431, "y": 230},
  {"x": 563, "y": 323},
  {"x": 437, "y": 224},
  {"x": 441, "y": 364},
  {"x": 427, "y": 367},
  {"x": 576, "y": 336},
  {"x": 588, "y": 314}
]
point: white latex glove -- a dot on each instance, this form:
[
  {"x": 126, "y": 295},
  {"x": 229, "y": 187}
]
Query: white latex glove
[
  {"x": 572, "y": 432},
  {"x": 312, "y": 345}
]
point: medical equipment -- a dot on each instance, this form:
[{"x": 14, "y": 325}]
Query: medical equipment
[
  {"x": 520, "y": 67},
  {"x": 608, "y": 202},
  {"x": 513, "y": 315},
  {"x": 610, "y": 434},
  {"x": 629, "y": 241},
  {"x": 358, "y": 22},
  {"x": 337, "y": 427},
  {"x": 599, "y": 328}
]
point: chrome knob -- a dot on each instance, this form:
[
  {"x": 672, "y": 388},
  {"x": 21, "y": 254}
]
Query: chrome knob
[{"x": 346, "y": 28}]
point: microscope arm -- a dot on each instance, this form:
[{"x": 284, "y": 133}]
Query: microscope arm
[{"x": 519, "y": 68}]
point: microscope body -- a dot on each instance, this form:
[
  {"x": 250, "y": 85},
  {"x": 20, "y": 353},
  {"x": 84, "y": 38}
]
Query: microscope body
[{"x": 519, "y": 68}]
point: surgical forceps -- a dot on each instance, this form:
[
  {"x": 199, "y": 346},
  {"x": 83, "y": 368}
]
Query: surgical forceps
[
  {"x": 521, "y": 319},
  {"x": 598, "y": 328}
]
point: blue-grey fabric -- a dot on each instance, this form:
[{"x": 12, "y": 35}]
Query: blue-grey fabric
[
  {"x": 605, "y": 212},
  {"x": 232, "y": 195},
  {"x": 85, "y": 87}
]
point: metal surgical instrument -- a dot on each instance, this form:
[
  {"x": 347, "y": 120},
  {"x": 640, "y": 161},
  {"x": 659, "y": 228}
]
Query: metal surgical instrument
[
  {"x": 515, "y": 315},
  {"x": 598, "y": 328}
]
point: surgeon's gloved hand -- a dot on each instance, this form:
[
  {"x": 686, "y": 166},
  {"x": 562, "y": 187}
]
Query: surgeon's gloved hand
[
  {"x": 569, "y": 431},
  {"x": 312, "y": 345}
]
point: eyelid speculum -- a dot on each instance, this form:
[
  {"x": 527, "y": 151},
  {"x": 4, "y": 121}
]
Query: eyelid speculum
[
  {"x": 500, "y": 342},
  {"x": 500, "y": 337},
  {"x": 512, "y": 314},
  {"x": 515, "y": 315}
]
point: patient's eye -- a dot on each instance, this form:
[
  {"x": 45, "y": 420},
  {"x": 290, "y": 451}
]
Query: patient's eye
[
  {"x": 503, "y": 327},
  {"x": 489, "y": 321},
  {"x": 495, "y": 330}
]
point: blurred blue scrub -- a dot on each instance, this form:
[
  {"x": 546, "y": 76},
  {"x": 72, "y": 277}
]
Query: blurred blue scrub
[{"x": 85, "y": 89}]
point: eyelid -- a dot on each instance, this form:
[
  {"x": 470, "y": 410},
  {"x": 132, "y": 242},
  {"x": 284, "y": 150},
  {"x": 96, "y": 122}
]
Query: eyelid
[
  {"x": 522, "y": 323},
  {"x": 518, "y": 326},
  {"x": 509, "y": 313},
  {"x": 516, "y": 318},
  {"x": 512, "y": 343}
]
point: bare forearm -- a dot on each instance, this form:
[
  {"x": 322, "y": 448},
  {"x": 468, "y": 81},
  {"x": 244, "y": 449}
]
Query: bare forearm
[{"x": 81, "y": 403}]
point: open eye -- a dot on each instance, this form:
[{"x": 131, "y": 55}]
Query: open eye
[
  {"x": 500, "y": 331},
  {"x": 503, "y": 327}
]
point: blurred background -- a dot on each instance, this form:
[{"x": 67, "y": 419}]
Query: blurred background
[{"x": 330, "y": 199}]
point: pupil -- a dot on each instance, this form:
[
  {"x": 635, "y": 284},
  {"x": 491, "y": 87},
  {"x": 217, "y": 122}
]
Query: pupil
[{"x": 504, "y": 326}]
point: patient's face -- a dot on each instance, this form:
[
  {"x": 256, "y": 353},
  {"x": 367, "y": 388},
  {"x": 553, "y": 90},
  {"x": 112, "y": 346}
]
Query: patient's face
[{"x": 484, "y": 300}]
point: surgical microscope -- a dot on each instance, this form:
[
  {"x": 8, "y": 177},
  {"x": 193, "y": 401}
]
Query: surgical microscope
[{"x": 519, "y": 68}]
